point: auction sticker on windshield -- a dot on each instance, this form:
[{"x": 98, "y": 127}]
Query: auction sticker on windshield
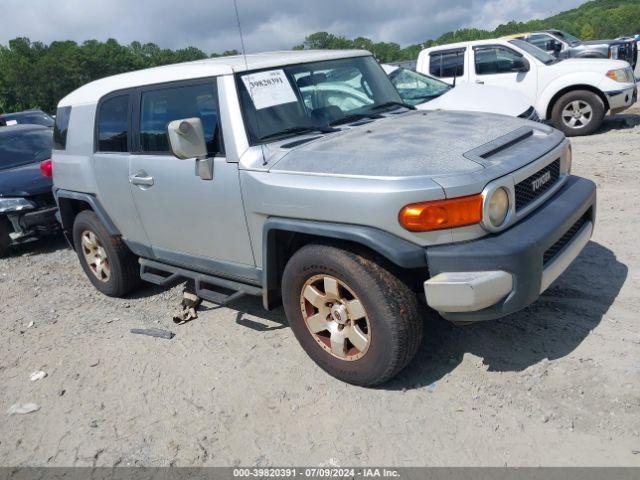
[{"x": 269, "y": 89}]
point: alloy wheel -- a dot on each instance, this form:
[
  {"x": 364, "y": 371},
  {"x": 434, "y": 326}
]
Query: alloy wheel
[
  {"x": 96, "y": 256},
  {"x": 577, "y": 114},
  {"x": 335, "y": 317}
]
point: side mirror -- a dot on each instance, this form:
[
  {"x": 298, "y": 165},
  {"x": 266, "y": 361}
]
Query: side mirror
[
  {"x": 522, "y": 66},
  {"x": 186, "y": 140}
]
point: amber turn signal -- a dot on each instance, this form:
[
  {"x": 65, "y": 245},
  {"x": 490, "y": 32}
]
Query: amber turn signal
[{"x": 441, "y": 214}]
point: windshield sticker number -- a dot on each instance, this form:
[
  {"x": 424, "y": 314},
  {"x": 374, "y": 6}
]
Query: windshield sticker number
[{"x": 269, "y": 89}]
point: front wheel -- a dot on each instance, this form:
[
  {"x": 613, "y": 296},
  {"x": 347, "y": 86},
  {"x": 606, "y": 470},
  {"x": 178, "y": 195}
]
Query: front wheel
[
  {"x": 354, "y": 318},
  {"x": 578, "y": 113}
]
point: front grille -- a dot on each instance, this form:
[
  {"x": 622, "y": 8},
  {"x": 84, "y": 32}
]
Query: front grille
[
  {"x": 533, "y": 187},
  {"x": 553, "y": 250}
]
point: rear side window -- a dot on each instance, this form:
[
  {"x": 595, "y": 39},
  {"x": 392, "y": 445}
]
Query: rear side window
[
  {"x": 446, "y": 64},
  {"x": 60, "y": 129},
  {"x": 159, "y": 107},
  {"x": 113, "y": 124},
  {"x": 25, "y": 147}
]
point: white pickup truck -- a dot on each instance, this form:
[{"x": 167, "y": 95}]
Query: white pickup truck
[{"x": 574, "y": 94}]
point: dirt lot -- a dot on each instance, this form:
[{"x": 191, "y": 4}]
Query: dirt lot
[{"x": 557, "y": 384}]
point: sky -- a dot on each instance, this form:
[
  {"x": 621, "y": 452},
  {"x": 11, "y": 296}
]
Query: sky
[{"x": 267, "y": 24}]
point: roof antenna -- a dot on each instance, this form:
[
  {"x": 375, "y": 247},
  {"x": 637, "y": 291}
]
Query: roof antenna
[
  {"x": 246, "y": 67},
  {"x": 244, "y": 50}
]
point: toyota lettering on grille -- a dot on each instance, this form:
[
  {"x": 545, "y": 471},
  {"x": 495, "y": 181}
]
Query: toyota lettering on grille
[{"x": 540, "y": 181}]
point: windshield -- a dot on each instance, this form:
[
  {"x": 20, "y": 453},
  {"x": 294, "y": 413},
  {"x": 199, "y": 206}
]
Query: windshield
[
  {"x": 415, "y": 88},
  {"x": 33, "y": 118},
  {"x": 25, "y": 147},
  {"x": 567, "y": 37},
  {"x": 293, "y": 99},
  {"x": 538, "y": 53}
]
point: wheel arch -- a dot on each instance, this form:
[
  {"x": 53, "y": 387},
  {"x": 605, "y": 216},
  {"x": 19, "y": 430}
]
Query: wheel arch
[
  {"x": 282, "y": 237},
  {"x": 70, "y": 204},
  {"x": 572, "y": 88}
]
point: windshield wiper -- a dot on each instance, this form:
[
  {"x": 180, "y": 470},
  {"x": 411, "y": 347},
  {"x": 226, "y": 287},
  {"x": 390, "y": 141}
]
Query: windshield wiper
[
  {"x": 355, "y": 117},
  {"x": 393, "y": 104},
  {"x": 298, "y": 130}
]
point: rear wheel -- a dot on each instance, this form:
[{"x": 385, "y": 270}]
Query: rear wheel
[
  {"x": 355, "y": 319},
  {"x": 578, "y": 113},
  {"x": 105, "y": 259},
  {"x": 5, "y": 239}
]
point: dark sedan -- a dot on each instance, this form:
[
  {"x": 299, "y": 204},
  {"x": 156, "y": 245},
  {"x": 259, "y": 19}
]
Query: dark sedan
[{"x": 27, "y": 206}]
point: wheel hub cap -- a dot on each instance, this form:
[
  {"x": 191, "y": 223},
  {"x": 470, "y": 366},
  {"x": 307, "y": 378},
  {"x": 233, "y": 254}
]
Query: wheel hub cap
[
  {"x": 339, "y": 314},
  {"x": 335, "y": 317}
]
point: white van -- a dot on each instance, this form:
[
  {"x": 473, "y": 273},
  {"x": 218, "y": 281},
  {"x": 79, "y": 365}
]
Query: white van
[{"x": 574, "y": 94}]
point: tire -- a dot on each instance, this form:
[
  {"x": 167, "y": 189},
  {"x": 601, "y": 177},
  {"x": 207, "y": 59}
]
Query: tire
[
  {"x": 5, "y": 239},
  {"x": 585, "y": 103},
  {"x": 114, "y": 270},
  {"x": 387, "y": 314}
]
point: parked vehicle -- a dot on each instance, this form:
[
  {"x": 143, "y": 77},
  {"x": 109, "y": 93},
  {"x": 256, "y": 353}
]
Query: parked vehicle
[
  {"x": 573, "y": 94},
  {"x": 429, "y": 93},
  {"x": 564, "y": 45},
  {"x": 27, "y": 206},
  {"x": 31, "y": 117},
  {"x": 247, "y": 177}
]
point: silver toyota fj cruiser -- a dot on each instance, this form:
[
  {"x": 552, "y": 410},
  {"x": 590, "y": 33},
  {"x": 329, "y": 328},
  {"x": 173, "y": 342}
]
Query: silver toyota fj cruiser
[{"x": 303, "y": 178}]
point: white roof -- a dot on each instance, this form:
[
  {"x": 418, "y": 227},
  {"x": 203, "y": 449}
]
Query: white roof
[
  {"x": 92, "y": 92},
  {"x": 453, "y": 46}
]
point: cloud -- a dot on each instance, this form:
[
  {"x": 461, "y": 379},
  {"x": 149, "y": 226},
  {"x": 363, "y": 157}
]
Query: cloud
[{"x": 277, "y": 24}]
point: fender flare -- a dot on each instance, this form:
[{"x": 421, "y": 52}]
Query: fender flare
[
  {"x": 66, "y": 215},
  {"x": 397, "y": 250}
]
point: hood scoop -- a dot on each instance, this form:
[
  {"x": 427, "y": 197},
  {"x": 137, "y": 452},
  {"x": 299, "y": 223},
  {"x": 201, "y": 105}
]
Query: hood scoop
[
  {"x": 524, "y": 142},
  {"x": 490, "y": 149}
]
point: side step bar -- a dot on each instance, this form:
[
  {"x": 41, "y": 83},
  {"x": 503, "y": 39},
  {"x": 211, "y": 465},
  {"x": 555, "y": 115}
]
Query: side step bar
[{"x": 226, "y": 292}]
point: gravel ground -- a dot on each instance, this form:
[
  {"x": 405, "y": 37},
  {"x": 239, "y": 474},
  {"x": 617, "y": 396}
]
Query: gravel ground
[{"x": 556, "y": 384}]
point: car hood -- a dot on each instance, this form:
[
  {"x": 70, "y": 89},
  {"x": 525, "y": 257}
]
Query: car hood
[
  {"x": 417, "y": 143},
  {"x": 605, "y": 42},
  {"x": 588, "y": 64},
  {"x": 480, "y": 98},
  {"x": 23, "y": 181}
]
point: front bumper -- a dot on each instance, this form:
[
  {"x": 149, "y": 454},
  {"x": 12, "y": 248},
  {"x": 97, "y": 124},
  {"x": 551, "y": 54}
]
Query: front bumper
[
  {"x": 620, "y": 100},
  {"x": 500, "y": 274}
]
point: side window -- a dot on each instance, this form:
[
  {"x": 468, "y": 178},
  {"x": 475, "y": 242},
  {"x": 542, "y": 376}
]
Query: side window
[
  {"x": 113, "y": 124},
  {"x": 60, "y": 129},
  {"x": 540, "y": 40},
  {"x": 496, "y": 60},
  {"x": 447, "y": 64},
  {"x": 159, "y": 107}
]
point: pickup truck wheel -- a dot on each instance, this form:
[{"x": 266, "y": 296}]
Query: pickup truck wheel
[
  {"x": 355, "y": 319},
  {"x": 5, "y": 239},
  {"x": 578, "y": 113},
  {"x": 105, "y": 259}
]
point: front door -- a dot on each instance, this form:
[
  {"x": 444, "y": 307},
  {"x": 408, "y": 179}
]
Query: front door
[
  {"x": 501, "y": 66},
  {"x": 199, "y": 224}
]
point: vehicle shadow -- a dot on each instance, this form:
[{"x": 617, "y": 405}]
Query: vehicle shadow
[
  {"x": 621, "y": 121},
  {"x": 551, "y": 328},
  {"x": 41, "y": 246}
]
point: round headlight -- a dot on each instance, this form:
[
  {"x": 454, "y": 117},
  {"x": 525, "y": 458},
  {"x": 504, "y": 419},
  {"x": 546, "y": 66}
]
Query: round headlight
[{"x": 498, "y": 207}]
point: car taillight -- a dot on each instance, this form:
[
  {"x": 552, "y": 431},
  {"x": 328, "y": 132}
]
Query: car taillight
[{"x": 46, "y": 168}]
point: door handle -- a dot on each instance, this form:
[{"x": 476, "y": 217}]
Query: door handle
[
  {"x": 141, "y": 179},
  {"x": 479, "y": 82}
]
